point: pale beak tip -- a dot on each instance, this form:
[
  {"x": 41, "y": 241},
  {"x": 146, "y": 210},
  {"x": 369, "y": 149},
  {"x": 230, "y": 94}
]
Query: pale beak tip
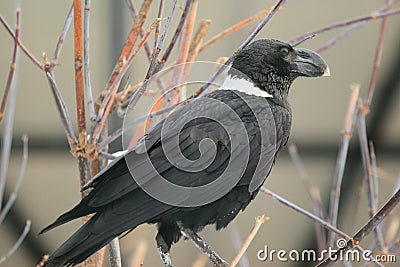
[{"x": 327, "y": 72}]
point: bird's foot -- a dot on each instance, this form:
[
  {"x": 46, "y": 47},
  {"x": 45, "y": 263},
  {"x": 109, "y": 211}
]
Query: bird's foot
[{"x": 163, "y": 251}]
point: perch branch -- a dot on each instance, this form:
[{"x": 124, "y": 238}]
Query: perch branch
[{"x": 200, "y": 244}]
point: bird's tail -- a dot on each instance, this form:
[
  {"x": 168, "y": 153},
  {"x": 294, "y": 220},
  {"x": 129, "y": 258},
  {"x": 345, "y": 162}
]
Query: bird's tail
[{"x": 92, "y": 236}]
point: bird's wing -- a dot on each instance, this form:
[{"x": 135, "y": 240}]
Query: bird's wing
[{"x": 185, "y": 128}]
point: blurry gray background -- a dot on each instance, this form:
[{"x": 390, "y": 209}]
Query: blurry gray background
[{"x": 51, "y": 184}]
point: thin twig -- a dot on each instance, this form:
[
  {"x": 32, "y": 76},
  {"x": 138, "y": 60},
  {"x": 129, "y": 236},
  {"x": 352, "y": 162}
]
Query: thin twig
[
  {"x": 114, "y": 86},
  {"x": 115, "y": 253},
  {"x": 237, "y": 242},
  {"x": 198, "y": 39},
  {"x": 17, "y": 185},
  {"x": 20, "y": 44},
  {"x": 9, "y": 120},
  {"x": 352, "y": 29},
  {"x": 380, "y": 243},
  {"x": 303, "y": 211},
  {"x": 366, "y": 229},
  {"x": 314, "y": 193},
  {"x": 234, "y": 28},
  {"x": 372, "y": 16},
  {"x": 311, "y": 216},
  {"x": 172, "y": 96},
  {"x": 151, "y": 70},
  {"x": 341, "y": 158},
  {"x": 259, "y": 221},
  {"x": 62, "y": 111},
  {"x": 86, "y": 59},
  {"x": 115, "y": 77},
  {"x": 362, "y": 133},
  {"x": 174, "y": 38},
  {"x": 304, "y": 40},
  {"x": 377, "y": 61},
  {"x": 133, "y": 12},
  {"x": 63, "y": 34},
  {"x": 12, "y": 66},
  {"x": 157, "y": 31},
  {"x": 18, "y": 243}
]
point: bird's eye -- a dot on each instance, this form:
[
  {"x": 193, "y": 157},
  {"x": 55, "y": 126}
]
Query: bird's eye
[{"x": 284, "y": 52}]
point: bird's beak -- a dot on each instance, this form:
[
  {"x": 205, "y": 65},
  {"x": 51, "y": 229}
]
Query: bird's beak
[{"x": 310, "y": 64}]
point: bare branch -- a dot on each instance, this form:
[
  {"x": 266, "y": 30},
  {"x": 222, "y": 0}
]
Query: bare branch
[
  {"x": 366, "y": 229},
  {"x": 237, "y": 241},
  {"x": 20, "y": 44},
  {"x": 352, "y": 29},
  {"x": 62, "y": 111},
  {"x": 200, "y": 244},
  {"x": 133, "y": 12},
  {"x": 63, "y": 34},
  {"x": 151, "y": 70},
  {"x": 341, "y": 158},
  {"x": 86, "y": 59},
  {"x": 259, "y": 221},
  {"x": 235, "y": 28},
  {"x": 314, "y": 193},
  {"x": 377, "y": 62},
  {"x": 372, "y": 16},
  {"x": 18, "y": 243},
  {"x": 78, "y": 61},
  {"x": 12, "y": 66},
  {"x": 311, "y": 216},
  {"x": 9, "y": 120},
  {"x": 17, "y": 185}
]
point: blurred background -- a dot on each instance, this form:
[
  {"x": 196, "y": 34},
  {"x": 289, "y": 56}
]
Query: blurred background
[{"x": 51, "y": 183}]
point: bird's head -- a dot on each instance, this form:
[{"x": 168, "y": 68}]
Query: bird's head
[{"x": 273, "y": 65}]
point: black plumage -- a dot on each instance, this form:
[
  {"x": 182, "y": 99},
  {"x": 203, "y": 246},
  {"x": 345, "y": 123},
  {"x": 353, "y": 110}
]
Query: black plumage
[{"x": 118, "y": 202}]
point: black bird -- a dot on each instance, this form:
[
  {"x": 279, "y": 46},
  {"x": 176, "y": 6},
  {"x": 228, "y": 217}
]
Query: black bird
[{"x": 248, "y": 121}]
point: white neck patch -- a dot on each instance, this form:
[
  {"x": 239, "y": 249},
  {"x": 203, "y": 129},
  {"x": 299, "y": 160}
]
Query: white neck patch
[{"x": 244, "y": 86}]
